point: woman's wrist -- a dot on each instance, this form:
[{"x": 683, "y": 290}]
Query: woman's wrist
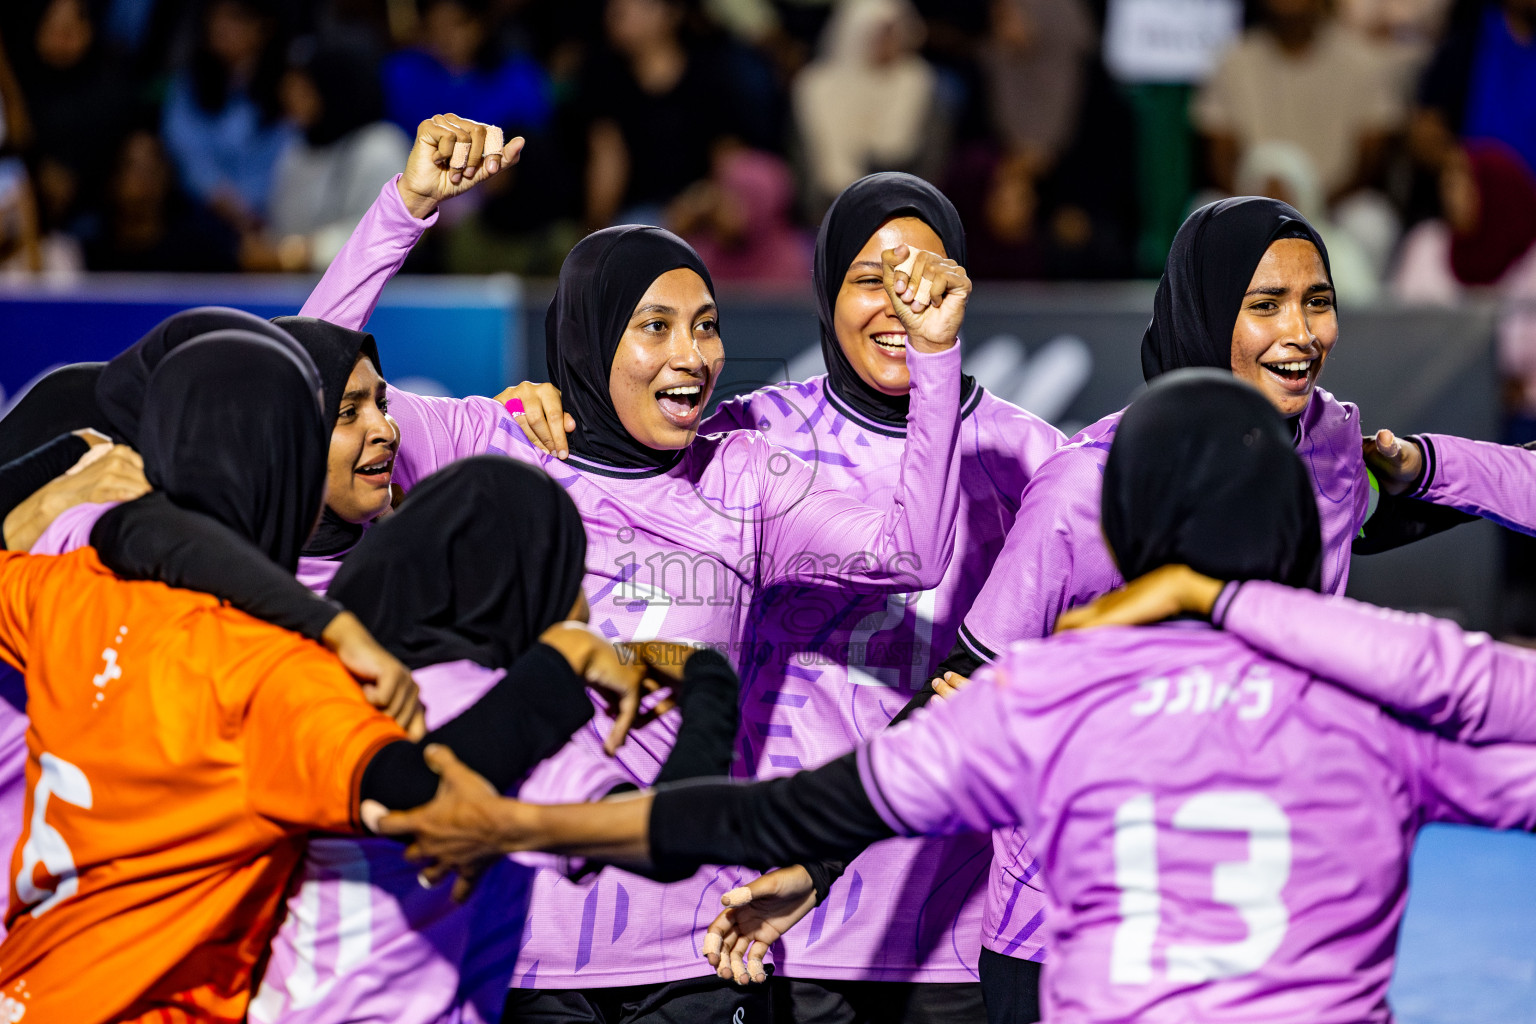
[{"x": 419, "y": 206}]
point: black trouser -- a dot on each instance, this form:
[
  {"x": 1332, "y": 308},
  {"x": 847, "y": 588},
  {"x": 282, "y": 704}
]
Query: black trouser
[
  {"x": 708, "y": 1000},
  {"x": 798, "y": 1001},
  {"x": 1011, "y": 987}
]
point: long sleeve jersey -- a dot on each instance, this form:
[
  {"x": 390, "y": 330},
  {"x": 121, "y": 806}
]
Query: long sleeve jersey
[
  {"x": 1224, "y": 837},
  {"x": 1494, "y": 481},
  {"x": 678, "y": 553},
  {"x": 1055, "y": 559},
  {"x": 828, "y": 666}
]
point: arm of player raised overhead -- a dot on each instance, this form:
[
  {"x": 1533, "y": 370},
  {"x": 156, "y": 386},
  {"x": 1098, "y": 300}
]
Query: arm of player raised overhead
[
  {"x": 821, "y": 535},
  {"x": 1462, "y": 683},
  {"x": 406, "y": 207}
]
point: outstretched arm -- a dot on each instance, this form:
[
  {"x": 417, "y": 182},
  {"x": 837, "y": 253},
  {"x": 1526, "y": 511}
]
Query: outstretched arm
[{"x": 1462, "y": 684}]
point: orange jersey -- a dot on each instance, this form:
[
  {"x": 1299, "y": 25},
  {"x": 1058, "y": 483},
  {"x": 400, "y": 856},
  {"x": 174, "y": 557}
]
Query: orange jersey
[{"x": 178, "y": 752}]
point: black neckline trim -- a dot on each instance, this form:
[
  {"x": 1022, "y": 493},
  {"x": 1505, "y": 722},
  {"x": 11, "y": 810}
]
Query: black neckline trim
[
  {"x": 967, "y": 407},
  {"x": 624, "y": 472}
]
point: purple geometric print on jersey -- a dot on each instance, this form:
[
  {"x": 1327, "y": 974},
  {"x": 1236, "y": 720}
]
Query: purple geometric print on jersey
[
  {"x": 825, "y": 667},
  {"x": 682, "y": 553}
]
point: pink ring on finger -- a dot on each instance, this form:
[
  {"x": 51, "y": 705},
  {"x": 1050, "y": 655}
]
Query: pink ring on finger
[{"x": 514, "y": 406}]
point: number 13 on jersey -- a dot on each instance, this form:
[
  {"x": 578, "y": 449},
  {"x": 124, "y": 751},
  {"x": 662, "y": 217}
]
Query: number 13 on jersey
[{"x": 1251, "y": 887}]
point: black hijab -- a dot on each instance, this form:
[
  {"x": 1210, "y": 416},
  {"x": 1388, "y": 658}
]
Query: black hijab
[
  {"x": 1209, "y": 266},
  {"x": 854, "y": 216},
  {"x": 335, "y": 350},
  {"x": 1203, "y": 473},
  {"x": 442, "y": 580},
  {"x": 123, "y": 381},
  {"x": 601, "y": 282},
  {"x": 62, "y": 400},
  {"x": 231, "y": 427}
]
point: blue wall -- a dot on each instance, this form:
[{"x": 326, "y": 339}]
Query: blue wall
[{"x": 462, "y": 333}]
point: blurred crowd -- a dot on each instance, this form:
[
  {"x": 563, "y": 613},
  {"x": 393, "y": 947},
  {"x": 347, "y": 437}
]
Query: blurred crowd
[{"x": 1074, "y": 135}]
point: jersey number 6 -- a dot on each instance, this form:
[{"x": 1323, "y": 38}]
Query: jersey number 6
[{"x": 44, "y": 844}]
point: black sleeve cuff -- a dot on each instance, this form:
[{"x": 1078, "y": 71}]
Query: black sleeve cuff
[
  {"x": 25, "y": 475},
  {"x": 154, "y": 539},
  {"x": 823, "y": 873},
  {"x": 814, "y": 815},
  {"x": 706, "y": 740}
]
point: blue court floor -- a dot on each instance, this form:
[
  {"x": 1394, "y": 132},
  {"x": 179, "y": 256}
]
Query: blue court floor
[{"x": 1468, "y": 949}]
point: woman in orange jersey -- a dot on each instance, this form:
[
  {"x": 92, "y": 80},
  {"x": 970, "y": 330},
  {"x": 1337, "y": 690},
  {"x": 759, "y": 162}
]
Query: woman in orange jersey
[{"x": 179, "y": 750}]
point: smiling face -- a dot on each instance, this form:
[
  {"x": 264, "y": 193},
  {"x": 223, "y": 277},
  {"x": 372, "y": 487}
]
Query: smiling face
[
  {"x": 865, "y": 321},
  {"x": 667, "y": 360},
  {"x": 1287, "y": 325},
  {"x": 362, "y": 448}
]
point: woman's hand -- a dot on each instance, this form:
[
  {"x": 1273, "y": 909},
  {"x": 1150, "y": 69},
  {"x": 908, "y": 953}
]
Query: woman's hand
[
  {"x": 465, "y": 826},
  {"x": 1395, "y": 462},
  {"x": 617, "y": 676},
  {"x": 949, "y": 684},
  {"x": 928, "y": 293},
  {"x": 757, "y": 914},
  {"x": 543, "y": 419},
  {"x": 387, "y": 684},
  {"x": 452, "y": 154},
  {"x": 107, "y": 472},
  {"x": 1161, "y": 594}
]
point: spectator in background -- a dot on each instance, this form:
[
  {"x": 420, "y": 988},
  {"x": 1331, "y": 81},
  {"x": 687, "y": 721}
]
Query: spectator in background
[
  {"x": 79, "y": 99},
  {"x": 457, "y": 67},
  {"x": 222, "y": 124},
  {"x": 328, "y": 177},
  {"x": 739, "y": 221},
  {"x": 655, "y": 108},
  {"x": 19, "y": 247},
  {"x": 1487, "y": 238},
  {"x": 868, "y": 102},
  {"x": 149, "y": 224},
  {"x": 1036, "y": 63},
  {"x": 1301, "y": 77},
  {"x": 1284, "y": 171},
  {"x": 1481, "y": 84}
]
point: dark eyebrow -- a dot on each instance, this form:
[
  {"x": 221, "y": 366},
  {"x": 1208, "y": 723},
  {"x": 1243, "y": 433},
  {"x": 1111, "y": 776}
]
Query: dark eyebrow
[
  {"x": 1265, "y": 291},
  {"x": 654, "y": 308},
  {"x": 1321, "y": 286},
  {"x": 708, "y": 307},
  {"x": 873, "y": 264},
  {"x": 357, "y": 395}
]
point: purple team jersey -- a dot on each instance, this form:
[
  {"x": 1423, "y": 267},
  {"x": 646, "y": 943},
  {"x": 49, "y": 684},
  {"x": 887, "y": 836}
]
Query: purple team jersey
[
  {"x": 1495, "y": 481},
  {"x": 1055, "y": 558},
  {"x": 829, "y": 666},
  {"x": 676, "y": 553},
  {"x": 1224, "y": 837}
]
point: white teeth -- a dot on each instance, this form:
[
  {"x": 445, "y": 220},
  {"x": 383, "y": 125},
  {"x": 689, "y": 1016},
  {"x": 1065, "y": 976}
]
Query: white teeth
[
  {"x": 687, "y": 389},
  {"x": 891, "y": 340},
  {"x": 1298, "y": 366}
]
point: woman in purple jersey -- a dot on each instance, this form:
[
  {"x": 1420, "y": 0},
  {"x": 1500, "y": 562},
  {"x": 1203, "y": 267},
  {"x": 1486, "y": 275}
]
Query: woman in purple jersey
[
  {"x": 902, "y": 936},
  {"x": 1227, "y": 836},
  {"x": 901, "y": 940},
  {"x": 634, "y": 346}
]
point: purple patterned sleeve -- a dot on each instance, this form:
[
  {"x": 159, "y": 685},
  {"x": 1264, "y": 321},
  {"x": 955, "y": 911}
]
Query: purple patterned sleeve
[
  {"x": 951, "y": 768},
  {"x": 1463, "y": 684},
  {"x": 437, "y": 431},
  {"x": 377, "y": 248},
  {"x": 1492, "y": 785},
  {"x": 1054, "y": 558},
  {"x": 825, "y": 536}
]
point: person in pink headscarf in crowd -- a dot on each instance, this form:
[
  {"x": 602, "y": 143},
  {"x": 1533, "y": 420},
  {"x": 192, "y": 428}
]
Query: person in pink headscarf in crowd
[
  {"x": 739, "y": 220},
  {"x": 1486, "y": 239}
]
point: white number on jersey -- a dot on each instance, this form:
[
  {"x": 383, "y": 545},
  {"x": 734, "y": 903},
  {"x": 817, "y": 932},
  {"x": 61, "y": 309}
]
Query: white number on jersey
[
  {"x": 44, "y": 844},
  {"x": 1251, "y": 887}
]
